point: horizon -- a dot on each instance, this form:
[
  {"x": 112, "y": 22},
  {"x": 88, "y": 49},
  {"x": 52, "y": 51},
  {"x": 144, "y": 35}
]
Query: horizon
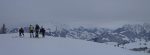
[{"x": 52, "y": 25}]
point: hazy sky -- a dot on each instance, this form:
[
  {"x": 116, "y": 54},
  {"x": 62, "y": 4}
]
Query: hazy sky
[{"x": 103, "y": 13}]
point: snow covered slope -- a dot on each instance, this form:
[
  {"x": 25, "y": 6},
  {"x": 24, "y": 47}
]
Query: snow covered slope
[{"x": 11, "y": 44}]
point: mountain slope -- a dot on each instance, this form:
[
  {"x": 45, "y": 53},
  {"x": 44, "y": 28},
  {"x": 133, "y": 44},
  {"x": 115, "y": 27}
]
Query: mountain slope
[
  {"x": 10, "y": 44},
  {"x": 123, "y": 35}
]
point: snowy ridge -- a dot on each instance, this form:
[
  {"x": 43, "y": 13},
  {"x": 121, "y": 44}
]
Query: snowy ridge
[
  {"x": 126, "y": 34},
  {"x": 13, "y": 45}
]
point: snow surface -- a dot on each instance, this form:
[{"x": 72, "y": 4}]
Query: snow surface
[
  {"x": 11, "y": 44},
  {"x": 137, "y": 44}
]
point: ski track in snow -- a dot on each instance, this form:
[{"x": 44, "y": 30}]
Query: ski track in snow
[{"x": 11, "y": 44}]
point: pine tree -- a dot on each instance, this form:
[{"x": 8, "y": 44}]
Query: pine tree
[{"x": 3, "y": 29}]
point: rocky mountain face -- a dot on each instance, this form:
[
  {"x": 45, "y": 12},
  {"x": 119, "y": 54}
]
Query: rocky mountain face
[{"x": 127, "y": 33}]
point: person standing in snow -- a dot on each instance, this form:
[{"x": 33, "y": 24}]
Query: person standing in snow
[
  {"x": 21, "y": 32},
  {"x": 42, "y": 31},
  {"x": 31, "y": 30},
  {"x": 37, "y": 28}
]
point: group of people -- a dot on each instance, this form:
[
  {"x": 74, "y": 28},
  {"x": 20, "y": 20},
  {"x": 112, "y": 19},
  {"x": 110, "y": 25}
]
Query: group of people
[{"x": 37, "y": 30}]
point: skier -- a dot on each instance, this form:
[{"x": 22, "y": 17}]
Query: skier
[
  {"x": 37, "y": 28},
  {"x": 31, "y": 30},
  {"x": 21, "y": 32},
  {"x": 42, "y": 31}
]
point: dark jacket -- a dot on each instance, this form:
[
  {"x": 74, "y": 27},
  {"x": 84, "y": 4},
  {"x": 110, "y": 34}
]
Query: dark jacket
[
  {"x": 21, "y": 30},
  {"x": 42, "y": 30}
]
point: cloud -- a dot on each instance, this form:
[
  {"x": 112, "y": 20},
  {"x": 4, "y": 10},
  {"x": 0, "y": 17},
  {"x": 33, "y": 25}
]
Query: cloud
[{"x": 99, "y": 12}]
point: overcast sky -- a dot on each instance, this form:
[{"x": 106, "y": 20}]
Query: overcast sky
[{"x": 103, "y": 13}]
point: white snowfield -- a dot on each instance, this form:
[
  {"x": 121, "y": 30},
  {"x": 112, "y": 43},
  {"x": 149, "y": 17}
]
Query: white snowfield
[{"x": 11, "y": 44}]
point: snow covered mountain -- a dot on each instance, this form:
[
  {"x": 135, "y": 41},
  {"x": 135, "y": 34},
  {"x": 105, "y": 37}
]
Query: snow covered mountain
[
  {"x": 124, "y": 35},
  {"x": 11, "y": 44},
  {"x": 127, "y": 33}
]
